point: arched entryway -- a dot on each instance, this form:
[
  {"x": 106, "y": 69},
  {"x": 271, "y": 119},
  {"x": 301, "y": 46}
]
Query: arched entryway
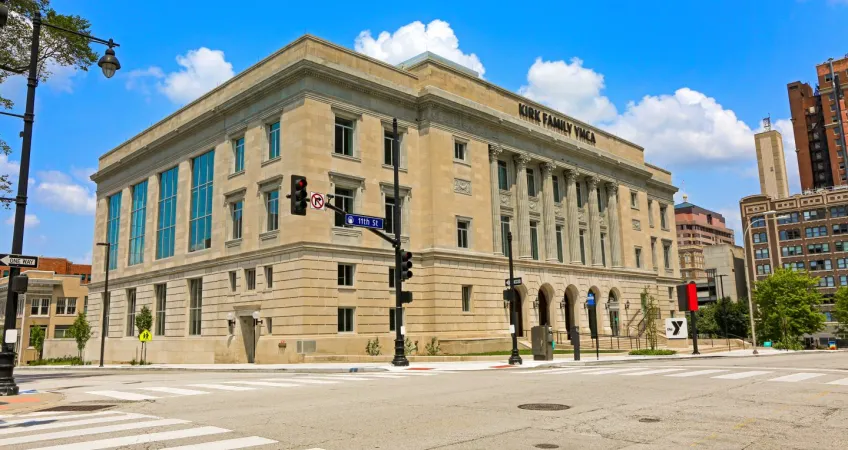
[
  {"x": 613, "y": 309},
  {"x": 570, "y": 301},
  {"x": 594, "y": 315},
  {"x": 544, "y": 308}
]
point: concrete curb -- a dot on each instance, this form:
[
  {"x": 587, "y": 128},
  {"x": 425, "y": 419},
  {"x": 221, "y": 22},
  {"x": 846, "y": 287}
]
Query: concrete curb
[
  {"x": 198, "y": 369},
  {"x": 559, "y": 365}
]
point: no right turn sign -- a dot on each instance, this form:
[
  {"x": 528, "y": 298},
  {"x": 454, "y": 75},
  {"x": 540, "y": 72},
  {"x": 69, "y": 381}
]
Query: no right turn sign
[{"x": 675, "y": 328}]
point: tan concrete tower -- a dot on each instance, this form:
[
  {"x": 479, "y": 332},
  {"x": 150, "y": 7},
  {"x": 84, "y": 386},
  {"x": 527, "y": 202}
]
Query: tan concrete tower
[{"x": 772, "y": 166}]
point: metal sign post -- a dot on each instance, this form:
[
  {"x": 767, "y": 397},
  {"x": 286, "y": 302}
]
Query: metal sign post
[{"x": 514, "y": 357}]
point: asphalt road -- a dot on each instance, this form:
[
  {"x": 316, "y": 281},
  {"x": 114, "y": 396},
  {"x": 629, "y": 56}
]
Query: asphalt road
[{"x": 785, "y": 402}]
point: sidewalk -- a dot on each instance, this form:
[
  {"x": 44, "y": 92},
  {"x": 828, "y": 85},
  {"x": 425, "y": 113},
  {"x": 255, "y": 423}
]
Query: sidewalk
[{"x": 528, "y": 363}]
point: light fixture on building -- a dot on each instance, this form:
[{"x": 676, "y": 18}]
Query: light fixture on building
[
  {"x": 256, "y": 319},
  {"x": 627, "y": 305},
  {"x": 231, "y": 322},
  {"x": 563, "y": 304},
  {"x": 109, "y": 62},
  {"x": 536, "y": 304}
]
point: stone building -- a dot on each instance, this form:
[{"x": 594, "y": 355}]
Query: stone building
[
  {"x": 191, "y": 207},
  {"x": 59, "y": 266}
]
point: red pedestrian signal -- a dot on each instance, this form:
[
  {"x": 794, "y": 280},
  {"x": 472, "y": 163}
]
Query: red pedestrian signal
[{"x": 298, "y": 195}]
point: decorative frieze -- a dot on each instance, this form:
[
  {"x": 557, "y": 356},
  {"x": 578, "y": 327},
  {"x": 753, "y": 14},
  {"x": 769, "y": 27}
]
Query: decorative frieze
[{"x": 462, "y": 186}]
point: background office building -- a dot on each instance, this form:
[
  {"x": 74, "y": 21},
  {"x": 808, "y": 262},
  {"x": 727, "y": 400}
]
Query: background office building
[
  {"x": 59, "y": 266},
  {"x": 771, "y": 162},
  {"x": 195, "y": 211},
  {"x": 697, "y": 228}
]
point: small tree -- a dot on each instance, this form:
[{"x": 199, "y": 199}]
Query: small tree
[
  {"x": 36, "y": 338},
  {"x": 143, "y": 322},
  {"x": 840, "y": 312},
  {"x": 81, "y": 332},
  {"x": 650, "y": 311},
  {"x": 787, "y": 307}
]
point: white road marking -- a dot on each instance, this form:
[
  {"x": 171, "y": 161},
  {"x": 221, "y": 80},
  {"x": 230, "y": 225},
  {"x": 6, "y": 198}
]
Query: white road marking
[
  {"x": 70, "y": 423},
  {"x": 534, "y": 372},
  {"x": 842, "y": 382},
  {"x": 223, "y": 387},
  {"x": 263, "y": 383},
  {"x": 741, "y": 375},
  {"x": 796, "y": 377},
  {"x": 610, "y": 371},
  {"x": 568, "y": 371},
  {"x": 175, "y": 391},
  {"x": 380, "y": 375},
  {"x": 140, "y": 439},
  {"x": 415, "y": 373},
  {"x": 123, "y": 395},
  {"x": 89, "y": 431},
  {"x": 42, "y": 413},
  {"x": 45, "y": 418},
  {"x": 229, "y": 444},
  {"x": 302, "y": 380},
  {"x": 696, "y": 373},
  {"x": 651, "y": 372},
  {"x": 340, "y": 377}
]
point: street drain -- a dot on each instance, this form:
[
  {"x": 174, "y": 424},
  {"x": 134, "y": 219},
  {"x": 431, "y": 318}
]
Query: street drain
[
  {"x": 546, "y": 446},
  {"x": 649, "y": 420},
  {"x": 544, "y": 407},
  {"x": 77, "y": 408}
]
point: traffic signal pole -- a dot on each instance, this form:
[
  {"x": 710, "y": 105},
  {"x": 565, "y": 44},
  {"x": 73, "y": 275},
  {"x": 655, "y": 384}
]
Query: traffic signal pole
[{"x": 400, "y": 356}]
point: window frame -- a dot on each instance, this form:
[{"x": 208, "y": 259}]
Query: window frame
[
  {"x": 466, "y": 298},
  {"x": 347, "y": 322},
  {"x": 237, "y": 219},
  {"x": 506, "y": 227},
  {"x": 132, "y": 304},
  {"x": 200, "y": 216},
  {"x": 560, "y": 250},
  {"x": 113, "y": 228},
  {"x": 250, "y": 278},
  {"x": 274, "y": 136},
  {"x": 348, "y": 136},
  {"x": 346, "y": 275},
  {"x": 463, "y": 235},
  {"x": 503, "y": 175},
  {"x": 460, "y": 150},
  {"x": 271, "y": 200},
  {"x": 195, "y": 307},
  {"x": 339, "y": 201},
  {"x": 268, "y": 271},
  {"x": 138, "y": 220},
  {"x": 238, "y": 155},
  {"x": 534, "y": 240},
  {"x": 531, "y": 182},
  {"x": 166, "y": 222},
  {"x": 160, "y": 292}
]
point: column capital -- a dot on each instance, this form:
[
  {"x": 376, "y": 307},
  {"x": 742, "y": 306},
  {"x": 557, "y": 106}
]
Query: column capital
[
  {"x": 571, "y": 174},
  {"x": 522, "y": 160},
  {"x": 494, "y": 151},
  {"x": 612, "y": 187},
  {"x": 548, "y": 168},
  {"x": 593, "y": 181}
]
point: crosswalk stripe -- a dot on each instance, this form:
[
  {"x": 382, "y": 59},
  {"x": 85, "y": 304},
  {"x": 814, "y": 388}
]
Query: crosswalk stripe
[
  {"x": 42, "y": 413},
  {"x": 568, "y": 371},
  {"x": 741, "y": 375},
  {"x": 842, "y": 382},
  {"x": 341, "y": 377},
  {"x": 123, "y": 395},
  {"x": 25, "y": 427},
  {"x": 263, "y": 383},
  {"x": 223, "y": 387},
  {"x": 175, "y": 391},
  {"x": 301, "y": 380},
  {"x": 695, "y": 373},
  {"x": 611, "y": 371},
  {"x": 533, "y": 372},
  {"x": 796, "y": 377},
  {"x": 89, "y": 431},
  {"x": 45, "y": 418},
  {"x": 380, "y": 375},
  {"x": 229, "y": 444},
  {"x": 416, "y": 374},
  {"x": 651, "y": 372},
  {"x": 140, "y": 439}
]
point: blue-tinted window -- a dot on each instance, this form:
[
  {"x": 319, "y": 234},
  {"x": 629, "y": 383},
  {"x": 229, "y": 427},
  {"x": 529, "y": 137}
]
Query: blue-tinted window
[
  {"x": 200, "y": 225},
  {"x": 138, "y": 215},
  {"x": 238, "y": 150},
  {"x": 166, "y": 226},
  {"x": 274, "y": 140},
  {"x": 113, "y": 225}
]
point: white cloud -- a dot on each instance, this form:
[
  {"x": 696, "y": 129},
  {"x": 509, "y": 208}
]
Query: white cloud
[
  {"x": 569, "y": 88},
  {"x": 416, "y": 38},
  {"x": 201, "y": 71},
  {"x": 11, "y": 168},
  {"x": 30, "y": 221},
  {"x": 60, "y": 192}
]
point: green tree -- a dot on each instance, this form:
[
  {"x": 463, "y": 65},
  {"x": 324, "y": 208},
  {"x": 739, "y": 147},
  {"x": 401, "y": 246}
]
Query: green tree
[
  {"x": 713, "y": 318},
  {"x": 707, "y": 323},
  {"x": 787, "y": 307},
  {"x": 144, "y": 319},
  {"x": 840, "y": 312},
  {"x": 81, "y": 332},
  {"x": 57, "y": 50},
  {"x": 36, "y": 339}
]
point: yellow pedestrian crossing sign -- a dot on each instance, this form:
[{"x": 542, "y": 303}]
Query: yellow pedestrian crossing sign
[{"x": 145, "y": 336}]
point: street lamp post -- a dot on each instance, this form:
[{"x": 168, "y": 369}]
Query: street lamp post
[
  {"x": 514, "y": 357},
  {"x": 753, "y": 275},
  {"x": 104, "y": 312},
  {"x": 109, "y": 64}
]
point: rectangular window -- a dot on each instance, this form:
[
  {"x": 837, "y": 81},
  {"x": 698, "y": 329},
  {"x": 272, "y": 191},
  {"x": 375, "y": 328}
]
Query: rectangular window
[
  {"x": 66, "y": 306},
  {"x": 555, "y": 187},
  {"x": 344, "y": 137},
  {"x": 603, "y": 249},
  {"x": 815, "y": 214},
  {"x": 818, "y": 248},
  {"x": 40, "y": 307},
  {"x": 345, "y": 274},
  {"x": 238, "y": 155},
  {"x": 651, "y": 213},
  {"x": 388, "y": 154},
  {"x": 782, "y": 219},
  {"x": 534, "y": 240},
  {"x": 466, "y": 299},
  {"x": 391, "y": 277},
  {"x": 531, "y": 183},
  {"x": 667, "y": 255},
  {"x": 138, "y": 217},
  {"x": 826, "y": 281},
  {"x": 346, "y": 320},
  {"x": 760, "y": 238},
  {"x": 840, "y": 246},
  {"x": 788, "y": 235},
  {"x": 763, "y": 269},
  {"x": 459, "y": 151},
  {"x": 761, "y": 253},
  {"x": 272, "y": 209},
  {"x": 840, "y": 263},
  {"x": 840, "y": 229},
  {"x": 167, "y": 221},
  {"x": 503, "y": 180},
  {"x": 130, "y": 312},
  {"x": 84, "y": 305},
  {"x": 462, "y": 227},
  {"x": 843, "y": 280},
  {"x": 62, "y": 332},
  {"x": 559, "y": 242},
  {"x": 113, "y": 226},
  {"x": 583, "y": 247},
  {"x": 794, "y": 265},
  {"x": 634, "y": 200},
  {"x": 161, "y": 292},
  {"x": 792, "y": 250},
  {"x": 343, "y": 200},
  {"x": 820, "y": 264},
  {"x": 638, "y": 258},
  {"x": 269, "y": 277},
  {"x": 274, "y": 140},
  {"x": 579, "y": 194},
  {"x": 233, "y": 285},
  {"x": 505, "y": 234},
  {"x": 601, "y": 203},
  {"x": 838, "y": 211},
  {"x": 663, "y": 218},
  {"x": 195, "y": 312},
  {"x": 250, "y": 278},
  {"x": 758, "y": 221},
  {"x": 200, "y": 224},
  {"x": 389, "y": 221},
  {"x": 814, "y": 232},
  {"x": 237, "y": 214}
]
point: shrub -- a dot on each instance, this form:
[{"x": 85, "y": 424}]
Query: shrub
[
  {"x": 652, "y": 352},
  {"x": 433, "y": 348},
  {"x": 372, "y": 348},
  {"x": 63, "y": 361},
  {"x": 408, "y": 347}
]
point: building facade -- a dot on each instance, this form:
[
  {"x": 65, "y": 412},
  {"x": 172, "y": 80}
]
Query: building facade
[
  {"x": 696, "y": 229},
  {"x": 192, "y": 206},
  {"x": 771, "y": 163},
  {"x": 818, "y": 121},
  {"x": 52, "y": 302},
  {"x": 59, "y": 266},
  {"x": 727, "y": 271}
]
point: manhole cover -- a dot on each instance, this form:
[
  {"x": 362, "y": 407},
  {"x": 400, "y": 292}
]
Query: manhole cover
[
  {"x": 544, "y": 407},
  {"x": 546, "y": 446},
  {"x": 649, "y": 420},
  {"x": 77, "y": 408}
]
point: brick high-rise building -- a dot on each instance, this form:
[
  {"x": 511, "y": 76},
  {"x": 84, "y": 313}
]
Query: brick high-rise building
[
  {"x": 818, "y": 121},
  {"x": 697, "y": 228}
]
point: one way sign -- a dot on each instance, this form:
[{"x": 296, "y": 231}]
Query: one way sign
[
  {"x": 676, "y": 328},
  {"x": 29, "y": 262}
]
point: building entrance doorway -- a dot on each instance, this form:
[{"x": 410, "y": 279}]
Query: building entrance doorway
[
  {"x": 569, "y": 317},
  {"x": 543, "y": 309},
  {"x": 248, "y": 335}
]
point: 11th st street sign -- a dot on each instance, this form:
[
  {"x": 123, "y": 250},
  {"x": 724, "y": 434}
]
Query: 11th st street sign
[{"x": 27, "y": 262}]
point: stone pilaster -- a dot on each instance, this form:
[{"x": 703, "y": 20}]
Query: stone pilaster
[
  {"x": 594, "y": 221},
  {"x": 613, "y": 224},
  {"x": 549, "y": 214},
  {"x": 495, "y": 151},
  {"x": 522, "y": 203},
  {"x": 571, "y": 216}
]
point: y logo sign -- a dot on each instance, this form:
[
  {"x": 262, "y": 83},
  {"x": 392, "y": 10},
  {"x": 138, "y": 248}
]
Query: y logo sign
[{"x": 676, "y": 328}]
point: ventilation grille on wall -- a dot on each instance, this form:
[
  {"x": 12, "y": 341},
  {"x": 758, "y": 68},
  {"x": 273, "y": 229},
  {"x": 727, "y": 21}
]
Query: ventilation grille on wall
[{"x": 306, "y": 346}]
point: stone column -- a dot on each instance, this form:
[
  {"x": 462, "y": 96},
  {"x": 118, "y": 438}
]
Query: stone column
[
  {"x": 613, "y": 224},
  {"x": 549, "y": 214},
  {"x": 494, "y": 151},
  {"x": 522, "y": 203},
  {"x": 571, "y": 217},
  {"x": 594, "y": 221}
]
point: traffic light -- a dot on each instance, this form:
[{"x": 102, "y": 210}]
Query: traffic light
[
  {"x": 298, "y": 195},
  {"x": 405, "y": 297},
  {"x": 405, "y": 265}
]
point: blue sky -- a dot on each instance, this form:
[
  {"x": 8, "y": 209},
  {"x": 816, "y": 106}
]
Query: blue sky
[{"x": 689, "y": 81}]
